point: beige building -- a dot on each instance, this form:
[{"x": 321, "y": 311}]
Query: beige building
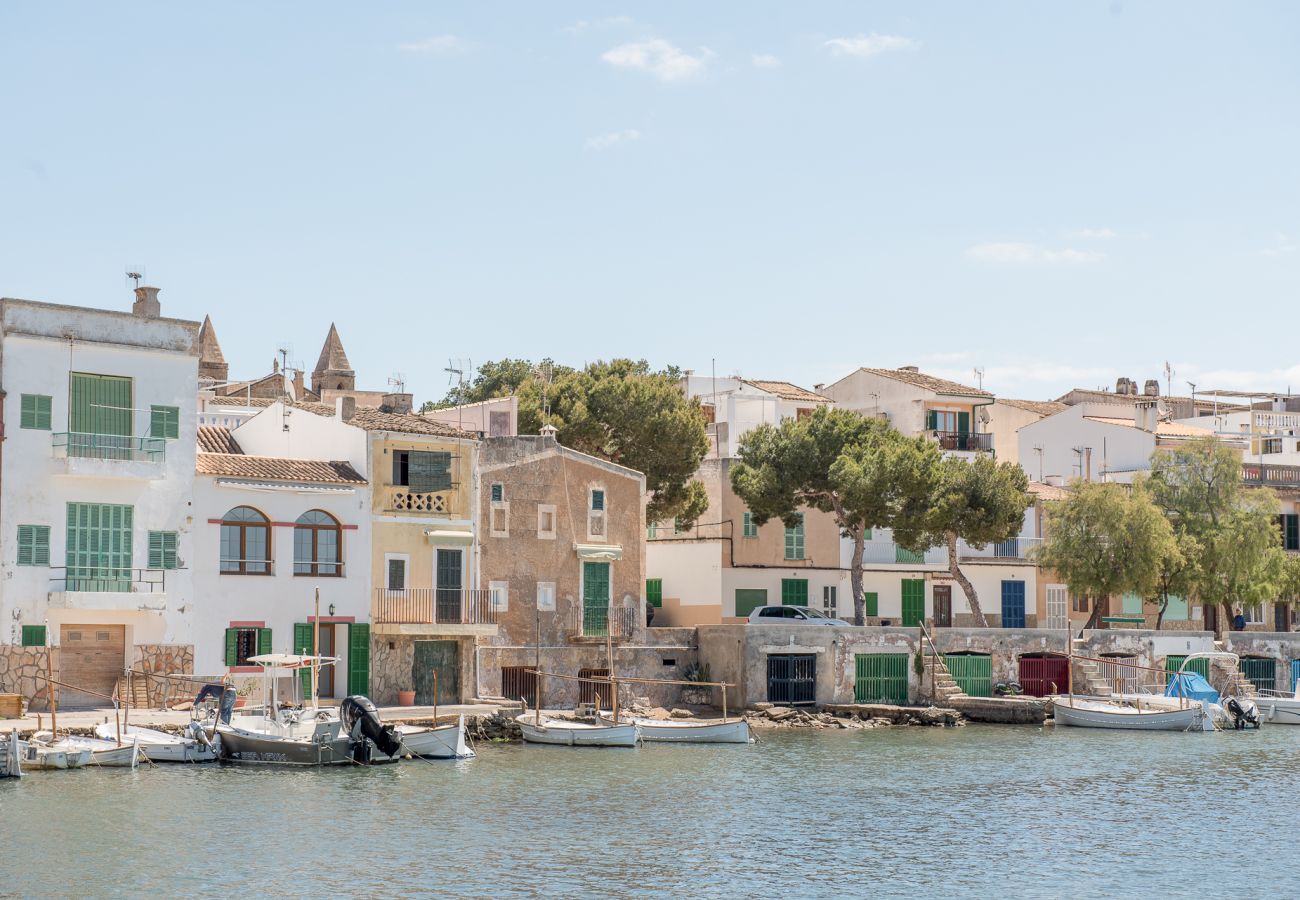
[{"x": 1007, "y": 417}]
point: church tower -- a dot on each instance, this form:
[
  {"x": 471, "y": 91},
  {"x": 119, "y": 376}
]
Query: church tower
[
  {"x": 333, "y": 372},
  {"x": 212, "y": 364}
]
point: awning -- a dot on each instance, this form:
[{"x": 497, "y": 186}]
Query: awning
[
  {"x": 443, "y": 536},
  {"x": 600, "y": 552}
]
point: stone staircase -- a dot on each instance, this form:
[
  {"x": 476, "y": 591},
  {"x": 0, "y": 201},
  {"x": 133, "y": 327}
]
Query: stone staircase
[
  {"x": 1087, "y": 676},
  {"x": 936, "y": 673},
  {"x": 1228, "y": 679}
]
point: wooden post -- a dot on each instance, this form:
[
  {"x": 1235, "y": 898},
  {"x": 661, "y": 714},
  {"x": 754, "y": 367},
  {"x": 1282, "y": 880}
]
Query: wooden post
[
  {"x": 724, "y": 701},
  {"x": 126, "y": 713},
  {"x": 49, "y": 687},
  {"x": 435, "y": 698},
  {"x": 537, "y": 685},
  {"x": 315, "y": 653},
  {"x": 117, "y": 709}
]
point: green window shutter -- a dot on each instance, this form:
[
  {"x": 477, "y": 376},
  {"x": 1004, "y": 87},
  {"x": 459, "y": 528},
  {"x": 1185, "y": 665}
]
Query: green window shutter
[
  {"x": 164, "y": 421},
  {"x": 866, "y": 534},
  {"x": 654, "y": 592},
  {"x": 99, "y": 404},
  {"x": 26, "y": 545},
  {"x": 358, "y": 658},
  {"x": 913, "y": 601},
  {"x": 41, "y": 546},
  {"x": 302, "y": 645},
  {"x": 232, "y": 646},
  {"x": 427, "y": 472},
  {"x": 871, "y": 601},
  {"x": 597, "y": 500},
  {"x": 35, "y": 412},
  {"x": 33, "y": 635},
  {"x": 931, "y": 420},
  {"x": 397, "y": 574},
  {"x": 263, "y": 640},
  {"x": 749, "y": 599},
  {"x": 794, "y": 541},
  {"x": 963, "y": 422},
  {"x": 155, "y": 549},
  {"x": 498, "y": 493},
  {"x": 794, "y": 592}
]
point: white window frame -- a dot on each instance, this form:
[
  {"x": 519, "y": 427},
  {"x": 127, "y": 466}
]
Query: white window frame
[
  {"x": 500, "y": 596},
  {"x": 502, "y": 508},
  {"x": 546, "y": 596},
  {"x": 601, "y": 515}
]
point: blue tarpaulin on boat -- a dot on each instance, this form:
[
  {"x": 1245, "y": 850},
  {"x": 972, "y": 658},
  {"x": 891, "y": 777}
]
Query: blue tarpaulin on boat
[{"x": 1191, "y": 686}]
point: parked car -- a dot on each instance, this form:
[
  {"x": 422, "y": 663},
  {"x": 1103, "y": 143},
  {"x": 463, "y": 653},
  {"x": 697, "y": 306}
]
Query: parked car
[{"x": 791, "y": 615}]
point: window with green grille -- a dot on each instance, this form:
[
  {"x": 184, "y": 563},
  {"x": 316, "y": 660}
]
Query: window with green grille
[
  {"x": 162, "y": 550},
  {"x": 1260, "y": 671},
  {"x": 881, "y": 677},
  {"x": 794, "y": 591},
  {"x": 597, "y": 500},
  {"x": 748, "y": 528},
  {"x": 654, "y": 592},
  {"x": 498, "y": 492},
  {"x": 243, "y": 643},
  {"x": 35, "y": 412},
  {"x": 33, "y": 545},
  {"x": 164, "y": 421},
  {"x": 794, "y": 543},
  {"x": 749, "y": 599},
  {"x": 33, "y": 635},
  {"x": 913, "y": 602}
]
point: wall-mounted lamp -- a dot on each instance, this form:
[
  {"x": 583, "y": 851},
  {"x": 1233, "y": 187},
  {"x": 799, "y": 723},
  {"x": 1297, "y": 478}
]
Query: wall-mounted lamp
[{"x": 331, "y": 609}]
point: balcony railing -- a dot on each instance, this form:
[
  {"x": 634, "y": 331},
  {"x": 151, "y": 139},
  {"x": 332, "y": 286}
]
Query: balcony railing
[
  {"x": 889, "y": 553},
  {"x": 78, "y": 445},
  {"x": 963, "y": 440},
  {"x": 618, "y": 622},
  {"x": 403, "y": 499},
  {"x": 1013, "y": 548},
  {"x": 1270, "y": 475},
  {"x": 107, "y": 579},
  {"x": 436, "y": 606}
]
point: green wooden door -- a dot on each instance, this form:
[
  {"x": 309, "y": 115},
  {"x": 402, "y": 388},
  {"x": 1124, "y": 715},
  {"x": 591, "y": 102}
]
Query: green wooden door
[
  {"x": 881, "y": 678},
  {"x": 1174, "y": 663},
  {"x": 794, "y": 591},
  {"x": 595, "y": 598},
  {"x": 98, "y": 554},
  {"x": 98, "y": 406},
  {"x": 913, "y": 601},
  {"x": 358, "y": 658},
  {"x": 302, "y": 645},
  {"x": 973, "y": 672},
  {"x": 435, "y": 673}
]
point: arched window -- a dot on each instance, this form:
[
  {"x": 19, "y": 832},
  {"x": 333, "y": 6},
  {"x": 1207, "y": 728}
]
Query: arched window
[
  {"x": 245, "y": 542},
  {"x": 316, "y": 544}
]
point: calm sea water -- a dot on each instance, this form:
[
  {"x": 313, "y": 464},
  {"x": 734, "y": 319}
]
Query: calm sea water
[{"x": 916, "y": 812}]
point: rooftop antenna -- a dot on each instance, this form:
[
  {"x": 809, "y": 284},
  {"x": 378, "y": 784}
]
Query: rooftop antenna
[
  {"x": 136, "y": 276},
  {"x": 283, "y": 352},
  {"x": 456, "y": 369},
  {"x": 398, "y": 380},
  {"x": 979, "y": 377},
  {"x": 1169, "y": 380}
]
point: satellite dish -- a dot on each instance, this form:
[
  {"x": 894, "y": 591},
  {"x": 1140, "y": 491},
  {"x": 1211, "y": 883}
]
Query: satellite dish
[{"x": 984, "y": 415}]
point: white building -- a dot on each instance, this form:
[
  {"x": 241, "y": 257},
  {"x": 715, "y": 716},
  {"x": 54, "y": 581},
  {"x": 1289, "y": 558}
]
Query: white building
[
  {"x": 98, "y": 474},
  {"x": 1007, "y": 417}
]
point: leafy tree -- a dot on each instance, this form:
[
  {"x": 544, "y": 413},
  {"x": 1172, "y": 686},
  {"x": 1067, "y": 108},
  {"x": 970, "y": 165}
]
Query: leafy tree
[
  {"x": 1242, "y": 562},
  {"x": 1104, "y": 540},
  {"x": 1178, "y": 574},
  {"x": 858, "y": 469},
  {"x": 621, "y": 410},
  {"x": 979, "y": 501}
]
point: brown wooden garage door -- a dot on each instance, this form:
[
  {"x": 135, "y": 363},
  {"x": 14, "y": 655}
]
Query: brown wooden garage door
[{"x": 91, "y": 657}]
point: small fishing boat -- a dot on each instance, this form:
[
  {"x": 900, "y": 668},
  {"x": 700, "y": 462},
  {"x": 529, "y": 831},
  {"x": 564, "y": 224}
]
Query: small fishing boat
[
  {"x": 11, "y": 759},
  {"x": 1082, "y": 712},
  {"x": 691, "y": 731},
  {"x": 159, "y": 746},
  {"x": 436, "y": 741},
  {"x": 110, "y": 754},
  {"x": 37, "y": 756},
  {"x": 540, "y": 729}
]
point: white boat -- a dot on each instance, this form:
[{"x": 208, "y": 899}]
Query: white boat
[
  {"x": 159, "y": 746},
  {"x": 38, "y": 756},
  {"x": 691, "y": 731},
  {"x": 1278, "y": 708},
  {"x": 11, "y": 760},
  {"x": 102, "y": 753},
  {"x": 435, "y": 742},
  {"x": 1082, "y": 712},
  {"x": 566, "y": 733}
]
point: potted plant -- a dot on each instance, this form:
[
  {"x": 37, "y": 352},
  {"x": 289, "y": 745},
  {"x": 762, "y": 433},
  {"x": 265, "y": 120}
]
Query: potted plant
[
  {"x": 697, "y": 696},
  {"x": 406, "y": 698}
]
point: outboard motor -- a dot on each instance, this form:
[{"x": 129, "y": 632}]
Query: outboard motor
[
  {"x": 1244, "y": 712},
  {"x": 360, "y": 719}
]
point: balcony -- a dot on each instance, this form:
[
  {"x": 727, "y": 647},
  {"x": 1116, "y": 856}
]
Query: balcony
[
  {"x": 99, "y": 587},
  {"x": 403, "y": 499},
  {"x": 1269, "y": 475},
  {"x": 108, "y": 455},
  {"x": 594, "y": 624},
  {"x": 963, "y": 441},
  {"x": 1016, "y": 548},
  {"x": 889, "y": 553},
  {"x": 436, "y": 611}
]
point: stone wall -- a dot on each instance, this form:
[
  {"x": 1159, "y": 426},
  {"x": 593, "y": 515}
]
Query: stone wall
[
  {"x": 22, "y": 671},
  {"x": 165, "y": 659},
  {"x": 392, "y": 659}
]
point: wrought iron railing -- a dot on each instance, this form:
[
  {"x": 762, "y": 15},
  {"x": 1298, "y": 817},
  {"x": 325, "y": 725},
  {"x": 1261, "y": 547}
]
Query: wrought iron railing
[
  {"x": 107, "y": 579},
  {"x": 436, "y": 606},
  {"x": 890, "y": 553},
  {"x": 617, "y": 622},
  {"x": 1270, "y": 475},
  {"x": 79, "y": 445},
  {"x": 963, "y": 440},
  {"x": 1012, "y": 548}
]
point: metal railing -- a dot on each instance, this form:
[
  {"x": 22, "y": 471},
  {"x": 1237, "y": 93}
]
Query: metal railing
[
  {"x": 1012, "y": 548},
  {"x": 246, "y": 567},
  {"x": 889, "y": 553},
  {"x": 436, "y": 606},
  {"x": 963, "y": 440},
  {"x": 107, "y": 579},
  {"x": 79, "y": 445},
  {"x": 617, "y": 622},
  {"x": 1270, "y": 475},
  {"x": 318, "y": 569}
]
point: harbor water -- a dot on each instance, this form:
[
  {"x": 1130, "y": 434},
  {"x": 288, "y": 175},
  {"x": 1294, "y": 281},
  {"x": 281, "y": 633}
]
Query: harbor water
[{"x": 980, "y": 810}]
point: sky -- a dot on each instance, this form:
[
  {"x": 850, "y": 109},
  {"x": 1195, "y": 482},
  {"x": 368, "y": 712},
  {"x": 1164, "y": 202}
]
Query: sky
[{"x": 1055, "y": 194}]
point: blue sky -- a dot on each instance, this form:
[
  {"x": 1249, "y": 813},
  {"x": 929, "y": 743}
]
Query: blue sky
[{"x": 1058, "y": 193}]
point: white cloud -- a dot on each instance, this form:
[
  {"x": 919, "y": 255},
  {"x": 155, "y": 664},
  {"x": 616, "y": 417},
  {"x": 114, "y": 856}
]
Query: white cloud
[
  {"x": 1284, "y": 245},
  {"x": 870, "y": 45},
  {"x": 582, "y": 25},
  {"x": 441, "y": 43},
  {"x": 1019, "y": 253},
  {"x": 1102, "y": 234},
  {"x": 658, "y": 57},
  {"x": 765, "y": 61},
  {"x": 613, "y": 139}
]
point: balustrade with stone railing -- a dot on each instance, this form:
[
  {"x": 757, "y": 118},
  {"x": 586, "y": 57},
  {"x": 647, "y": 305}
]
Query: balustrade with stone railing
[{"x": 401, "y": 499}]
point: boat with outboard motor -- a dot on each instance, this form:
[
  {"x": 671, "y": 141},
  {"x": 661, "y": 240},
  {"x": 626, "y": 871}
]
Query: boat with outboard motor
[{"x": 435, "y": 741}]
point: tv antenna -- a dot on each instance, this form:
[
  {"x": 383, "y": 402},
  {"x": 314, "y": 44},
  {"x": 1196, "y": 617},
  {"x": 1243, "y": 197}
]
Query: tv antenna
[
  {"x": 136, "y": 273},
  {"x": 456, "y": 369},
  {"x": 398, "y": 380},
  {"x": 979, "y": 377},
  {"x": 1169, "y": 379}
]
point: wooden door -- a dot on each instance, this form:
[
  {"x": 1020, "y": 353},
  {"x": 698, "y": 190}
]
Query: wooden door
[
  {"x": 436, "y": 672},
  {"x": 943, "y": 606},
  {"x": 327, "y": 648},
  {"x": 90, "y": 657}
]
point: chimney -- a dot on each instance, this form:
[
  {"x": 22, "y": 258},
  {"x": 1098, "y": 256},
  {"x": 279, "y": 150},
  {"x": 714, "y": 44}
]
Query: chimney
[
  {"x": 146, "y": 303},
  {"x": 299, "y": 390},
  {"x": 397, "y": 403},
  {"x": 1122, "y": 386},
  {"x": 1146, "y": 415},
  {"x": 1151, "y": 388},
  {"x": 345, "y": 408},
  {"x": 908, "y": 369},
  {"x": 547, "y": 432}
]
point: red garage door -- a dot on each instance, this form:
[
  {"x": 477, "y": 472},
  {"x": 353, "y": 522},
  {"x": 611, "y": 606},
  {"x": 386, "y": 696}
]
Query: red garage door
[{"x": 1042, "y": 674}]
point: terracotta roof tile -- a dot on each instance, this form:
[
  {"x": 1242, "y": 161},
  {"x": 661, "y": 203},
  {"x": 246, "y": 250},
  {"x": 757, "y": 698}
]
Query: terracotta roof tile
[
  {"x": 372, "y": 419},
  {"x": 215, "y": 439},
  {"x": 1044, "y": 491},
  {"x": 270, "y": 468},
  {"x": 929, "y": 382},
  {"x": 1038, "y": 407},
  {"x": 1163, "y": 429},
  {"x": 240, "y": 400},
  {"x": 787, "y": 391}
]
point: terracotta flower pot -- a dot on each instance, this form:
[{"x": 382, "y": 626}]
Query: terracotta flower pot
[
  {"x": 241, "y": 702},
  {"x": 406, "y": 698}
]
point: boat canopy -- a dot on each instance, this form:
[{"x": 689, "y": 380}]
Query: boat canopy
[
  {"x": 291, "y": 660},
  {"x": 1191, "y": 686}
]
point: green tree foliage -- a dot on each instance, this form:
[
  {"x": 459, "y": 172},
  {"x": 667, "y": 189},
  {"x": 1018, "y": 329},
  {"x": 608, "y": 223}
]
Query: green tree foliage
[
  {"x": 858, "y": 469},
  {"x": 979, "y": 501},
  {"x": 621, "y": 410},
  {"x": 1103, "y": 540}
]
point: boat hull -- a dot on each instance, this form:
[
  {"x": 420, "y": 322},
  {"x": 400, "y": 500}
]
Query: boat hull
[
  {"x": 440, "y": 742},
  {"x": 260, "y": 749},
  {"x": 686, "y": 731},
  {"x": 577, "y": 734},
  {"x": 1278, "y": 710},
  {"x": 1096, "y": 715},
  {"x": 159, "y": 746},
  {"x": 36, "y": 757}
]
